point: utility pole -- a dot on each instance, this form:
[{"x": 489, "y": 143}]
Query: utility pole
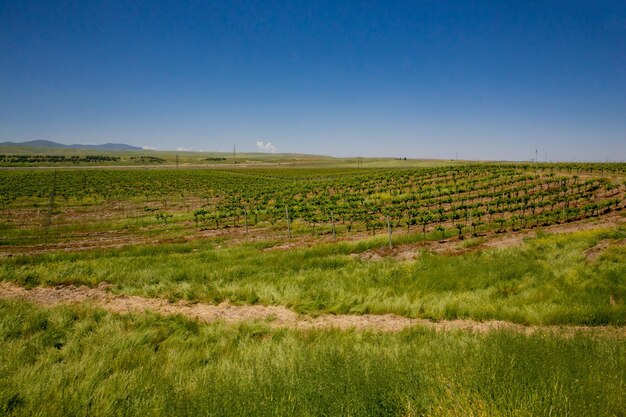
[
  {"x": 234, "y": 156},
  {"x": 177, "y": 161}
]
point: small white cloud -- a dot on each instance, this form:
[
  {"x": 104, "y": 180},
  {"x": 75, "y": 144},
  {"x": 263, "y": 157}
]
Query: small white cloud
[
  {"x": 149, "y": 148},
  {"x": 265, "y": 147}
]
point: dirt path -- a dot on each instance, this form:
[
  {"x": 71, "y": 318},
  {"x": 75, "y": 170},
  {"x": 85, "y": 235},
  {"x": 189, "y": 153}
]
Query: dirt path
[{"x": 274, "y": 316}]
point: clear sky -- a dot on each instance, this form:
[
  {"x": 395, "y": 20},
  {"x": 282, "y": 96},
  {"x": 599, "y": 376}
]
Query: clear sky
[{"x": 481, "y": 79}]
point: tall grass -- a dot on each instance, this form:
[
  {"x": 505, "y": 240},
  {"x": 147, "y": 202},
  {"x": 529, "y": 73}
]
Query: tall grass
[
  {"x": 548, "y": 280},
  {"x": 79, "y": 361}
]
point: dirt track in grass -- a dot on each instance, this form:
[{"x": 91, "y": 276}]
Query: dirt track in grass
[{"x": 274, "y": 316}]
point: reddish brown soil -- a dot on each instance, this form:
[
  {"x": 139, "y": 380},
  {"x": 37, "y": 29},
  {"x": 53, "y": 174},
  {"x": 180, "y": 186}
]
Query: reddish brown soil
[{"x": 274, "y": 316}]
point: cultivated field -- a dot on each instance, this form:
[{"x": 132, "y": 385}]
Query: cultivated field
[{"x": 314, "y": 288}]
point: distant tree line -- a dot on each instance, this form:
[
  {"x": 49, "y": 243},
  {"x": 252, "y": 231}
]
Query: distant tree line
[
  {"x": 75, "y": 159},
  {"x": 152, "y": 159},
  {"x": 57, "y": 158}
]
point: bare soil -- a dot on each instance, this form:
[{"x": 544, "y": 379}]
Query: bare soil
[
  {"x": 592, "y": 253},
  {"x": 610, "y": 220},
  {"x": 234, "y": 235},
  {"x": 274, "y": 316},
  {"x": 455, "y": 246}
]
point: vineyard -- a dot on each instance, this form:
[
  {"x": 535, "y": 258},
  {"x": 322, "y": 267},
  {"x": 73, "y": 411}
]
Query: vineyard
[
  {"x": 435, "y": 203},
  {"x": 263, "y": 209},
  {"x": 224, "y": 289}
]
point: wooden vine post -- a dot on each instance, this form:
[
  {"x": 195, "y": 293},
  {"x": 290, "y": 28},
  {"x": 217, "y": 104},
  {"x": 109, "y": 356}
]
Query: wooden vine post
[
  {"x": 389, "y": 232},
  {"x": 50, "y": 207},
  {"x": 288, "y": 222}
]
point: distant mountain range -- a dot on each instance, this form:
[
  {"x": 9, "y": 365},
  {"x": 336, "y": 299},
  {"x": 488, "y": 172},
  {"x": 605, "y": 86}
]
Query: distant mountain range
[{"x": 50, "y": 144}]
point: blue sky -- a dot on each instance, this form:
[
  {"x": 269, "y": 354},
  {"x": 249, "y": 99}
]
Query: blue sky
[{"x": 481, "y": 79}]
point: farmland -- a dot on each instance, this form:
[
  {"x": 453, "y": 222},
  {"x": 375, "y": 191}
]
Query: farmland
[
  {"x": 453, "y": 201},
  {"x": 314, "y": 289}
]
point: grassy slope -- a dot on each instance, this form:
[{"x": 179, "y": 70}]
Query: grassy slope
[
  {"x": 80, "y": 361},
  {"x": 548, "y": 280}
]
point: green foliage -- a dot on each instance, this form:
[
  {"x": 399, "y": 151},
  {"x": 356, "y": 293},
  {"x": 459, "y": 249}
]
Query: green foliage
[
  {"x": 474, "y": 195},
  {"x": 163, "y": 216},
  {"x": 80, "y": 361},
  {"x": 548, "y": 280},
  {"x": 56, "y": 159}
]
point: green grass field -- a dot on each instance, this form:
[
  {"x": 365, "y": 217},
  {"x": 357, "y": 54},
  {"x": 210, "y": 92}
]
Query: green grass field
[
  {"x": 547, "y": 281},
  {"x": 79, "y": 361},
  {"x": 180, "y": 235}
]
